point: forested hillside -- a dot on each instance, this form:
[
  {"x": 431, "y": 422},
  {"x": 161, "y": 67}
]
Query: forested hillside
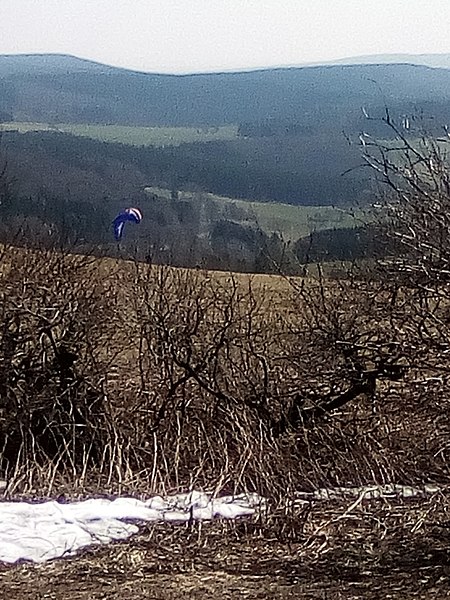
[
  {"x": 307, "y": 170},
  {"x": 55, "y": 89}
]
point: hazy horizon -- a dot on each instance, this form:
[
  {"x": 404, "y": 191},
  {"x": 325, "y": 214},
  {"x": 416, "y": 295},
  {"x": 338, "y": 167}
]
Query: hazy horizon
[
  {"x": 346, "y": 60},
  {"x": 176, "y": 36}
]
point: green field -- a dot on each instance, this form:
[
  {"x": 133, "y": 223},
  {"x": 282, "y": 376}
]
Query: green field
[
  {"x": 133, "y": 136},
  {"x": 298, "y": 221},
  {"x": 290, "y": 221}
]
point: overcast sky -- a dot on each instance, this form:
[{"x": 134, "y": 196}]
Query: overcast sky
[{"x": 207, "y": 35}]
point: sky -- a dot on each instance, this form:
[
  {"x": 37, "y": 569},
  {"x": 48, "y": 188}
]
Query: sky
[{"x": 185, "y": 36}]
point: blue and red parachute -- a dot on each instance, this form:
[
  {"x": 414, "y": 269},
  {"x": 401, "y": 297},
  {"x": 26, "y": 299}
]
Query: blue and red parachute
[{"x": 133, "y": 215}]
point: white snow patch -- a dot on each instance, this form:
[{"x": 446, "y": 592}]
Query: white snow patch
[
  {"x": 41, "y": 532},
  {"x": 370, "y": 492}
]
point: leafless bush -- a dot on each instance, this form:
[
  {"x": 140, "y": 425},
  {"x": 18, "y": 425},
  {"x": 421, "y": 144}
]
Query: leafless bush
[
  {"x": 54, "y": 319},
  {"x": 204, "y": 382},
  {"x": 365, "y": 407},
  {"x": 297, "y": 384},
  {"x": 413, "y": 170}
]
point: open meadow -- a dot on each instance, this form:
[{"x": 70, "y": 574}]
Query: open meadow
[
  {"x": 121, "y": 378},
  {"x": 289, "y": 221},
  {"x": 132, "y": 135}
]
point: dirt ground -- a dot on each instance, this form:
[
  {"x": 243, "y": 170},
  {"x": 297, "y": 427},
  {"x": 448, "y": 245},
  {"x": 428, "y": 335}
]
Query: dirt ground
[
  {"x": 388, "y": 551},
  {"x": 120, "y": 574}
]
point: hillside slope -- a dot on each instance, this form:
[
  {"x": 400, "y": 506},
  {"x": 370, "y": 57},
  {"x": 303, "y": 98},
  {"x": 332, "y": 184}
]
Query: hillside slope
[{"x": 55, "y": 88}]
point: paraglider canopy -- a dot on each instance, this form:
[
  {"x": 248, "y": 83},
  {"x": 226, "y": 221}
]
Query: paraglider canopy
[{"x": 128, "y": 214}]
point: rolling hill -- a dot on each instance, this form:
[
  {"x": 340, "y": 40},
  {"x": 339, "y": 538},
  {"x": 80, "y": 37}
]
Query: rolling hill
[
  {"x": 65, "y": 89},
  {"x": 440, "y": 61}
]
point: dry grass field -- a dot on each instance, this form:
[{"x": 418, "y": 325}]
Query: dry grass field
[{"x": 118, "y": 377}]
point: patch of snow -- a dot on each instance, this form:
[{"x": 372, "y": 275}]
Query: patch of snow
[
  {"x": 370, "y": 492},
  {"x": 41, "y": 532}
]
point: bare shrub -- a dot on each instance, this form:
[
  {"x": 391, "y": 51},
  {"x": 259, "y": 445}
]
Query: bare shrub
[
  {"x": 54, "y": 321},
  {"x": 300, "y": 383},
  {"x": 413, "y": 171},
  {"x": 204, "y": 381}
]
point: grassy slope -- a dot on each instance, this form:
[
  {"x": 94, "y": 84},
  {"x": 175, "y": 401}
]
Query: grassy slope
[
  {"x": 134, "y": 136},
  {"x": 290, "y": 221}
]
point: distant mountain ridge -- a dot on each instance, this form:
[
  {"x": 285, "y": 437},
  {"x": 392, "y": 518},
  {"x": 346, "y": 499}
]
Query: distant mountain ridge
[
  {"x": 57, "y": 88},
  {"x": 438, "y": 61},
  {"x": 32, "y": 64},
  {"x": 11, "y": 64}
]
